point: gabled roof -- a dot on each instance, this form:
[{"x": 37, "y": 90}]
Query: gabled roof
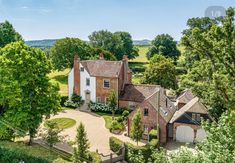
[
  {"x": 185, "y": 96},
  {"x": 102, "y": 67},
  {"x": 192, "y": 106},
  {"x": 167, "y": 108},
  {"x": 137, "y": 93}
]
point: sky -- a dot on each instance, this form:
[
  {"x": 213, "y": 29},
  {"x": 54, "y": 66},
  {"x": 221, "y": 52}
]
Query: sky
[{"x": 143, "y": 19}]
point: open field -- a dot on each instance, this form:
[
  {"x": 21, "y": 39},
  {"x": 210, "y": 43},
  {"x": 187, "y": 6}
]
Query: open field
[
  {"x": 142, "y": 54},
  {"x": 62, "y": 78}
]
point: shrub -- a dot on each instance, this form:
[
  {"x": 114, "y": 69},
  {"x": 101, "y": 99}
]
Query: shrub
[
  {"x": 130, "y": 148},
  {"x": 153, "y": 142},
  {"x": 63, "y": 99},
  {"x": 115, "y": 125},
  {"x": 153, "y": 134},
  {"x": 76, "y": 101},
  {"x": 125, "y": 113},
  {"x": 99, "y": 107},
  {"x": 115, "y": 145},
  {"x": 95, "y": 157},
  {"x": 119, "y": 119}
]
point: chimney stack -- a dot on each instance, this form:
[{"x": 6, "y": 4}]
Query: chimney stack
[{"x": 76, "y": 69}]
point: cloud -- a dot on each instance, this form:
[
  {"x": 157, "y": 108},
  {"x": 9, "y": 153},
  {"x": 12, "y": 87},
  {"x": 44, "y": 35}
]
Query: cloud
[{"x": 24, "y": 7}]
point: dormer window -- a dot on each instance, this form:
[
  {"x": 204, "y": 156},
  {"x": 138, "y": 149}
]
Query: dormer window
[
  {"x": 106, "y": 83},
  {"x": 82, "y": 69}
]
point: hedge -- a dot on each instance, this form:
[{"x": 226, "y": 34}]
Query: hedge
[
  {"x": 11, "y": 152},
  {"x": 115, "y": 144},
  {"x": 146, "y": 151}
]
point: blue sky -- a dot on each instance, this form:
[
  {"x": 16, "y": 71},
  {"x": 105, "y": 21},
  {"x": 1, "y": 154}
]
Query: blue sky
[{"x": 144, "y": 19}]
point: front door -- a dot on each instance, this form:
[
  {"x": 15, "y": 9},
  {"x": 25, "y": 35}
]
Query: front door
[{"x": 88, "y": 97}]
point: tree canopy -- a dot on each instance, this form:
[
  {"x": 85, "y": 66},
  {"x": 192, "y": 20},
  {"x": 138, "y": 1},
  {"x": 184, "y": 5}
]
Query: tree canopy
[
  {"x": 28, "y": 69},
  {"x": 165, "y": 45},
  {"x": 161, "y": 71},
  {"x": 212, "y": 75},
  {"x": 118, "y": 43},
  {"x": 8, "y": 34},
  {"x": 63, "y": 51}
]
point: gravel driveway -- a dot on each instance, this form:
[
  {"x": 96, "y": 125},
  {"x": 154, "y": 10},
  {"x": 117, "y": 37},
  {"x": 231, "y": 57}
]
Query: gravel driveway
[{"x": 97, "y": 134}]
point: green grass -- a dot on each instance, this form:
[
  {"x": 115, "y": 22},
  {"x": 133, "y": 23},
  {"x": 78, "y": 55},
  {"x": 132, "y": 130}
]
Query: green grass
[
  {"x": 142, "y": 54},
  {"x": 34, "y": 150},
  {"x": 64, "y": 123},
  {"x": 62, "y": 78},
  {"x": 107, "y": 118}
]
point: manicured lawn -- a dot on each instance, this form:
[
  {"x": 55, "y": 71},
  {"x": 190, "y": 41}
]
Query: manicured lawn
[
  {"x": 62, "y": 78},
  {"x": 142, "y": 54},
  {"x": 108, "y": 118},
  {"x": 64, "y": 123},
  {"x": 34, "y": 150}
]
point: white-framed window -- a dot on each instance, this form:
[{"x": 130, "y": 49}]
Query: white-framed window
[
  {"x": 82, "y": 69},
  {"x": 193, "y": 116},
  {"x": 146, "y": 129},
  {"x": 106, "y": 100},
  {"x": 87, "y": 81},
  {"x": 198, "y": 117},
  {"x": 106, "y": 83},
  {"x": 98, "y": 99}
]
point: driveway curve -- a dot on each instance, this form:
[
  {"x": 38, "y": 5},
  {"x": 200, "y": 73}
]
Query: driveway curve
[{"x": 97, "y": 133}]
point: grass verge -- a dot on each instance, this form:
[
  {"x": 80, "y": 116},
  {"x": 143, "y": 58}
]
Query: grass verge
[{"x": 64, "y": 123}]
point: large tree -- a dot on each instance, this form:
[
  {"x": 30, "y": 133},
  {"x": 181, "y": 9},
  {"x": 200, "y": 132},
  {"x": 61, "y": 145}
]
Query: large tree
[
  {"x": 212, "y": 76},
  {"x": 8, "y": 34},
  {"x": 165, "y": 45},
  {"x": 29, "y": 69},
  {"x": 203, "y": 24},
  {"x": 63, "y": 51},
  {"x": 118, "y": 43},
  {"x": 161, "y": 71}
]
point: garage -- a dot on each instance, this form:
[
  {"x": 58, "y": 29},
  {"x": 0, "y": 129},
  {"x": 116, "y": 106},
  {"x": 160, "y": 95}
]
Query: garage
[
  {"x": 184, "y": 134},
  {"x": 201, "y": 134}
]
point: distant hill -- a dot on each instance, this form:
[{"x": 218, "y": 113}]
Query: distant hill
[
  {"x": 51, "y": 42},
  {"x": 142, "y": 42},
  {"x": 41, "y": 43}
]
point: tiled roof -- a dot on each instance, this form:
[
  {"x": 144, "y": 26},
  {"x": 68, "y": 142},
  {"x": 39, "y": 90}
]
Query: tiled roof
[
  {"x": 192, "y": 106},
  {"x": 137, "y": 93},
  {"x": 167, "y": 108},
  {"x": 102, "y": 67},
  {"x": 185, "y": 96}
]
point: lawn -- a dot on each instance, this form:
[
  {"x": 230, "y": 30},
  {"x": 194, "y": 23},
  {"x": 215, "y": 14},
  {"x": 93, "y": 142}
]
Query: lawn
[
  {"x": 62, "y": 78},
  {"x": 142, "y": 54},
  {"x": 108, "y": 118},
  {"x": 22, "y": 149},
  {"x": 64, "y": 123}
]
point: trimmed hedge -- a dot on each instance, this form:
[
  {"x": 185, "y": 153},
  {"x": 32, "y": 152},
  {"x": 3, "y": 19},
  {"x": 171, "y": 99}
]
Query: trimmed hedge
[
  {"x": 11, "y": 152},
  {"x": 115, "y": 145},
  {"x": 146, "y": 151}
]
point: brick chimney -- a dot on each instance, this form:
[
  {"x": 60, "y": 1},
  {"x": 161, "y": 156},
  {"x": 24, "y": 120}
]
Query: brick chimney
[
  {"x": 125, "y": 70},
  {"x": 76, "y": 68},
  {"x": 101, "y": 56}
]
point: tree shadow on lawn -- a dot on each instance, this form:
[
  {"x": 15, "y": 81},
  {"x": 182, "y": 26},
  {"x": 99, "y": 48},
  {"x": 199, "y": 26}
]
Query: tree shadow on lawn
[{"x": 63, "y": 79}]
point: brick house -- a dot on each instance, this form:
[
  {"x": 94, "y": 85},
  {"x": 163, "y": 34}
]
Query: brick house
[
  {"x": 93, "y": 80},
  {"x": 147, "y": 105}
]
